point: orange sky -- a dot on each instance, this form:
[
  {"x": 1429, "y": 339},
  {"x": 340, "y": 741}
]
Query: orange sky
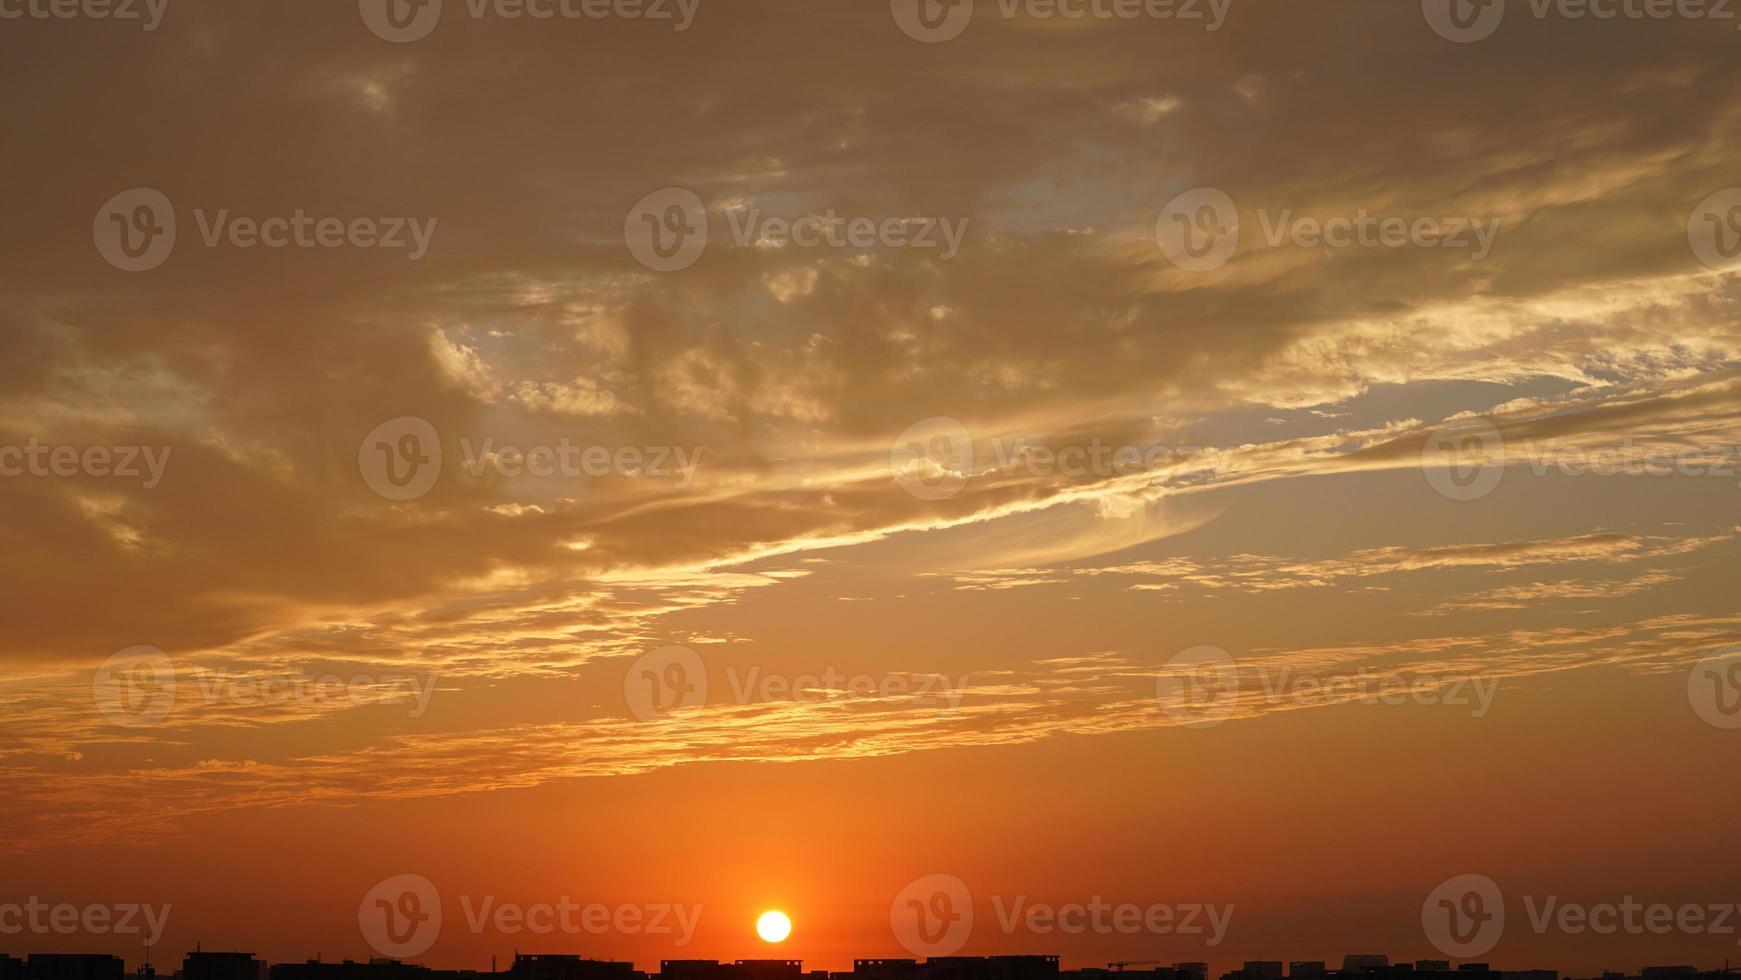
[{"x": 464, "y": 676}]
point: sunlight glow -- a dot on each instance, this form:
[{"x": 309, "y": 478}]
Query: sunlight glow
[{"x": 773, "y": 927}]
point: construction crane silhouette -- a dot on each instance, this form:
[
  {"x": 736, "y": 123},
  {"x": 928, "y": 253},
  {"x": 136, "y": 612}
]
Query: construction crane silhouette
[{"x": 1121, "y": 964}]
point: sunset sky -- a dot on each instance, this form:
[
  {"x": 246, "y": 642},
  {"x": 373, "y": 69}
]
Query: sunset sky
[{"x": 810, "y": 463}]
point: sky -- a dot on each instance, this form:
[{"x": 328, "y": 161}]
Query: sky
[{"x": 1262, "y": 459}]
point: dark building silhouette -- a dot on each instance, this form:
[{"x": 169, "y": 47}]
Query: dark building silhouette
[
  {"x": 885, "y": 969},
  {"x": 695, "y": 970},
  {"x": 244, "y": 966},
  {"x": 376, "y": 969},
  {"x": 74, "y": 966},
  {"x": 201, "y": 965},
  {"x": 558, "y": 966},
  {"x": 936, "y": 968},
  {"x": 1122, "y": 971},
  {"x": 769, "y": 969},
  {"x": 740, "y": 970},
  {"x": 991, "y": 968}
]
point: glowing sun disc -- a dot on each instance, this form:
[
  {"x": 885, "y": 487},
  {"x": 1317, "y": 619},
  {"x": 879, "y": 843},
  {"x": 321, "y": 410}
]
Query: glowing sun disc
[{"x": 773, "y": 927}]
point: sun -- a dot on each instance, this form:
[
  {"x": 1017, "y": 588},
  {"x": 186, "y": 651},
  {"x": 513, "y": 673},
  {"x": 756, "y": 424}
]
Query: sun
[{"x": 773, "y": 927}]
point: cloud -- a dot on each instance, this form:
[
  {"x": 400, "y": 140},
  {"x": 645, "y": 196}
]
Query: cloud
[{"x": 1591, "y": 327}]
